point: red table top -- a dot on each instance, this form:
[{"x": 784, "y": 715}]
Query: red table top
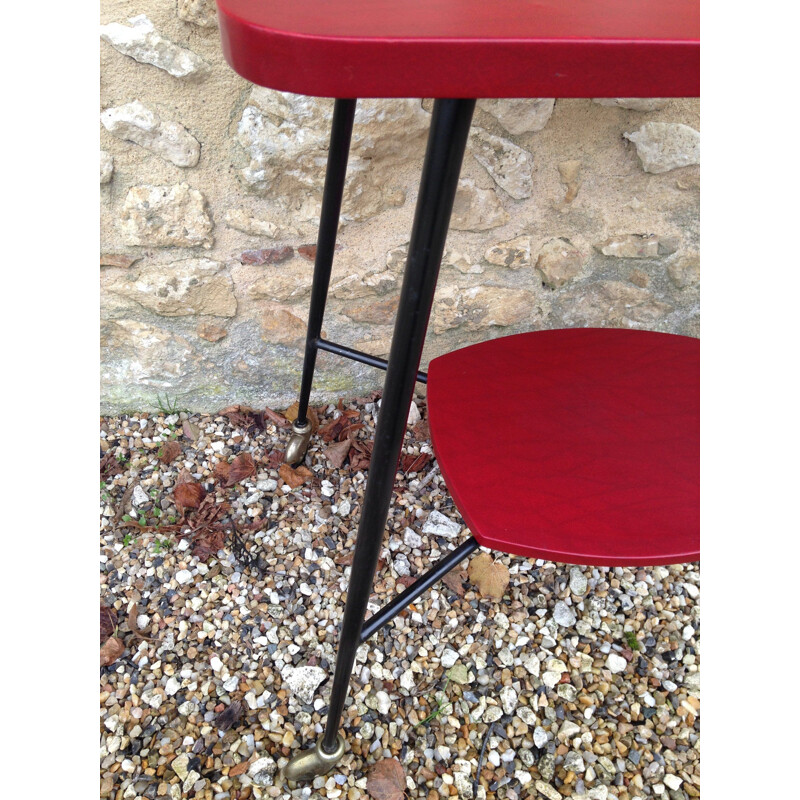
[
  {"x": 466, "y": 48},
  {"x": 578, "y": 445}
]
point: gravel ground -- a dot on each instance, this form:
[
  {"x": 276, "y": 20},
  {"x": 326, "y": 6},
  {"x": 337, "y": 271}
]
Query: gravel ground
[{"x": 579, "y": 682}]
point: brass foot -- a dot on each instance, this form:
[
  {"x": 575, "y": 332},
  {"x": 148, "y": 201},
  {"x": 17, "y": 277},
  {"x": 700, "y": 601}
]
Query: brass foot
[
  {"x": 310, "y": 763},
  {"x": 298, "y": 444}
]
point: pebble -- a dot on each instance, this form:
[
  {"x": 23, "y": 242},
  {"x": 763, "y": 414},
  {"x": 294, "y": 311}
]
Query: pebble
[
  {"x": 225, "y": 631},
  {"x": 616, "y": 663}
]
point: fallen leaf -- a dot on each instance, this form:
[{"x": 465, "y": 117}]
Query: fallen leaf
[
  {"x": 190, "y": 431},
  {"x": 274, "y": 459},
  {"x": 337, "y": 453},
  {"x": 208, "y": 543},
  {"x": 109, "y": 466},
  {"x": 277, "y": 418},
  {"x": 307, "y": 251},
  {"x": 111, "y": 651},
  {"x": 387, "y": 780},
  {"x": 294, "y": 477},
  {"x": 108, "y": 622},
  {"x": 454, "y": 580},
  {"x": 421, "y": 431},
  {"x": 242, "y": 467},
  {"x": 406, "y": 580},
  {"x": 169, "y": 452},
  {"x": 221, "y": 471},
  {"x": 239, "y": 769},
  {"x": 229, "y": 717},
  {"x": 189, "y": 495},
  {"x": 412, "y": 463},
  {"x": 291, "y": 415},
  {"x": 490, "y": 576}
]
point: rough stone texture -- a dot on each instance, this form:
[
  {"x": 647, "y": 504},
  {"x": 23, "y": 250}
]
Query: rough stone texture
[
  {"x": 663, "y": 146},
  {"x": 199, "y": 12},
  {"x": 166, "y": 216},
  {"x": 183, "y": 288},
  {"x": 513, "y": 254},
  {"x": 243, "y": 221},
  {"x": 685, "y": 270},
  {"x": 509, "y": 165},
  {"x": 280, "y": 326},
  {"x": 482, "y": 307},
  {"x": 521, "y": 115},
  {"x": 615, "y": 304},
  {"x": 587, "y": 188},
  {"x": 632, "y": 245},
  {"x": 559, "y": 261},
  {"x": 106, "y": 167},
  {"x": 142, "y": 42},
  {"x": 476, "y": 209},
  {"x": 284, "y": 140},
  {"x": 634, "y": 103},
  {"x": 141, "y": 125}
]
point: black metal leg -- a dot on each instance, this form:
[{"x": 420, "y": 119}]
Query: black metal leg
[
  {"x": 446, "y": 143},
  {"x": 341, "y": 131}
]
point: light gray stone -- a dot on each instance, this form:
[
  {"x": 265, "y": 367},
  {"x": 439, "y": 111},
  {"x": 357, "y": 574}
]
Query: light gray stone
[
  {"x": 664, "y": 146},
  {"x": 303, "y": 681},
  {"x": 384, "y": 703},
  {"x": 539, "y": 736},
  {"x": 559, "y": 261},
  {"x": 546, "y": 790},
  {"x": 564, "y": 615},
  {"x": 510, "y": 167},
  {"x": 141, "y": 42},
  {"x": 634, "y": 103},
  {"x": 411, "y": 539},
  {"x": 136, "y": 123},
  {"x": 684, "y": 271},
  {"x": 183, "y": 576},
  {"x": 180, "y": 765},
  {"x": 193, "y": 286},
  {"x": 614, "y": 303},
  {"x": 509, "y": 699},
  {"x": 573, "y": 762},
  {"x": 630, "y": 245},
  {"x": 449, "y": 657},
  {"x": 463, "y": 785},
  {"x": 578, "y": 584},
  {"x": 481, "y": 307},
  {"x": 438, "y": 524},
  {"x": 616, "y": 663},
  {"x": 283, "y": 141},
  {"x": 520, "y": 115},
  {"x": 106, "y": 167},
  {"x": 513, "y": 254},
  {"x": 476, "y": 209},
  {"x": 568, "y": 730},
  {"x": 199, "y": 12},
  {"x": 166, "y": 216},
  {"x": 244, "y": 221}
]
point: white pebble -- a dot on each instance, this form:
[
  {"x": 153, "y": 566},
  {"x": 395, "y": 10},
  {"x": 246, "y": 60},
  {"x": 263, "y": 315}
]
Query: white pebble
[
  {"x": 183, "y": 576},
  {"x": 616, "y": 663}
]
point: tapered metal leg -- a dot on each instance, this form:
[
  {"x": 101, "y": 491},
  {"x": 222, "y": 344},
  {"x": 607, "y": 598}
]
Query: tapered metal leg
[
  {"x": 341, "y": 131},
  {"x": 446, "y": 142}
]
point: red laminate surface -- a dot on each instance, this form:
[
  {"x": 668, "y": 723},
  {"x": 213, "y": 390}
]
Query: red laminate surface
[
  {"x": 577, "y": 445},
  {"x": 466, "y": 48}
]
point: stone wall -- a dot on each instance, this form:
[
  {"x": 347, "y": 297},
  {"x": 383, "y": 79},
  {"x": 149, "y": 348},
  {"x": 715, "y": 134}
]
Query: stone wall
[{"x": 569, "y": 213}]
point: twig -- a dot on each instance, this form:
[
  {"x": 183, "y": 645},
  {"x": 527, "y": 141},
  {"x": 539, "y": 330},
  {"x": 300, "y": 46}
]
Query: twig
[
  {"x": 480, "y": 759},
  {"x": 429, "y": 477}
]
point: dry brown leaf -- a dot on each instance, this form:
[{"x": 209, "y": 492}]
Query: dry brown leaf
[
  {"x": 337, "y": 453},
  {"x": 191, "y": 431},
  {"x": 169, "y": 452},
  {"x": 454, "y": 580},
  {"x": 229, "y": 717},
  {"x": 189, "y": 495},
  {"x": 109, "y": 465},
  {"x": 387, "y": 780},
  {"x": 239, "y": 769},
  {"x": 111, "y": 651},
  {"x": 291, "y": 415},
  {"x": 108, "y": 622},
  {"x": 221, "y": 471},
  {"x": 277, "y": 418},
  {"x": 294, "y": 477},
  {"x": 242, "y": 467},
  {"x": 490, "y": 576}
]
